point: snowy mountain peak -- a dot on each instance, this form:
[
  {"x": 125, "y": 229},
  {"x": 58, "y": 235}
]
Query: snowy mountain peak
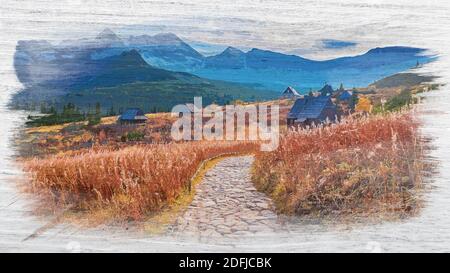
[
  {"x": 232, "y": 51},
  {"x": 158, "y": 39},
  {"x": 107, "y": 34}
]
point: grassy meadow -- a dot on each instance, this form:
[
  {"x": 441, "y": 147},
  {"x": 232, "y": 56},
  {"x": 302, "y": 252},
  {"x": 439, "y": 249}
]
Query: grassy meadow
[{"x": 369, "y": 162}]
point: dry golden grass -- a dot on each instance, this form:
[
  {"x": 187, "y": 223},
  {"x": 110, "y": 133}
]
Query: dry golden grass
[
  {"x": 367, "y": 165},
  {"x": 108, "y": 120},
  {"x": 46, "y": 129},
  {"x": 129, "y": 183},
  {"x": 359, "y": 165}
]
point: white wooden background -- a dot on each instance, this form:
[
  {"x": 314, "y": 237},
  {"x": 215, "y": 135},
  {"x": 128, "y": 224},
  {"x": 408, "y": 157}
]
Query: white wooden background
[{"x": 288, "y": 26}]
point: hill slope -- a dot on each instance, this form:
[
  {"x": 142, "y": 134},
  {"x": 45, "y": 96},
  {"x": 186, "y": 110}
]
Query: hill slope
[{"x": 402, "y": 79}]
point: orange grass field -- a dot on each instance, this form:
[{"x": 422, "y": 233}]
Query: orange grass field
[
  {"x": 132, "y": 182},
  {"x": 372, "y": 164},
  {"x": 365, "y": 164}
]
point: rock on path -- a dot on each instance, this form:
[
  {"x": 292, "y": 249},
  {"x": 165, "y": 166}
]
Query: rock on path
[{"x": 227, "y": 204}]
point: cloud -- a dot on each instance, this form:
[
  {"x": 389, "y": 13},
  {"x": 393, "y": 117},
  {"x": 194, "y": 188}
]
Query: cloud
[{"x": 336, "y": 44}]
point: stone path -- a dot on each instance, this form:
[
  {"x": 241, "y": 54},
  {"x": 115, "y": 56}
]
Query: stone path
[{"x": 227, "y": 204}]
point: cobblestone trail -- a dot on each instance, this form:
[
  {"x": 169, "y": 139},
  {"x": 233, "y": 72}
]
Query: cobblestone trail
[{"x": 227, "y": 204}]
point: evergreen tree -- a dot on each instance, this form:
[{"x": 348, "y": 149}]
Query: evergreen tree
[
  {"x": 111, "y": 111},
  {"x": 98, "y": 109},
  {"x": 353, "y": 101},
  {"x": 52, "y": 110},
  {"x": 43, "y": 108}
]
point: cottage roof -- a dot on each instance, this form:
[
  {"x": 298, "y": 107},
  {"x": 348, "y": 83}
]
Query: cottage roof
[
  {"x": 309, "y": 107},
  {"x": 290, "y": 91},
  {"x": 346, "y": 95},
  {"x": 133, "y": 114},
  {"x": 327, "y": 89}
]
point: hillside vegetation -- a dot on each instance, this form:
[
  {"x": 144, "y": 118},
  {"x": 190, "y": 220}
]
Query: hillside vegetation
[
  {"x": 374, "y": 164},
  {"x": 161, "y": 96}
]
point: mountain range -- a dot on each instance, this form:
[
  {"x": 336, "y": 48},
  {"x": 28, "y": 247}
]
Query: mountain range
[
  {"x": 54, "y": 70},
  {"x": 127, "y": 80}
]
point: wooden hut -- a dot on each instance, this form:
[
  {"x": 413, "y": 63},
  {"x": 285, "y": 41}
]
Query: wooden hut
[
  {"x": 311, "y": 110},
  {"x": 132, "y": 116}
]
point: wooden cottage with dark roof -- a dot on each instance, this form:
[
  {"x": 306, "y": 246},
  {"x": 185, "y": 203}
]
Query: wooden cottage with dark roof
[
  {"x": 132, "y": 116},
  {"x": 311, "y": 110}
]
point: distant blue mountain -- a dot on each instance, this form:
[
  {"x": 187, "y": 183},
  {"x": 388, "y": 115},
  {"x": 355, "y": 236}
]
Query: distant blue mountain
[
  {"x": 276, "y": 71},
  {"x": 65, "y": 64},
  {"x": 127, "y": 80},
  {"x": 257, "y": 59},
  {"x": 128, "y": 67},
  {"x": 230, "y": 58},
  {"x": 166, "y": 50}
]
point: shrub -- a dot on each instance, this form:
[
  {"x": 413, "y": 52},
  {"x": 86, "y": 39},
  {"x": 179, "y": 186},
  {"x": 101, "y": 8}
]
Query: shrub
[
  {"x": 93, "y": 120},
  {"x": 399, "y": 101},
  {"x": 70, "y": 113},
  {"x": 135, "y": 135}
]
